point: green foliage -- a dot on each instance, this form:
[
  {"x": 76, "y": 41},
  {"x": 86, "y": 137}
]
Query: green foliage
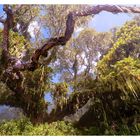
[
  {"x": 37, "y": 81},
  {"x": 18, "y": 44},
  {"x": 61, "y": 88},
  {"x": 120, "y": 129},
  {"x": 25, "y": 127},
  {"x": 116, "y": 88},
  {"x": 115, "y": 92},
  {"x": 126, "y": 45},
  {"x": 25, "y": 13},
  {"x": 124, "y": 75},
  {"x": 59, "y": 94},
  {"x": 55, "y": 18},
  {"x": 120, "y": 65},
  {"x": 60, "y": 128}
]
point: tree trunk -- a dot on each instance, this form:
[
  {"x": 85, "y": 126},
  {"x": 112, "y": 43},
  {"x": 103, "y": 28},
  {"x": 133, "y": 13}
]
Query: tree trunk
[{"x": 32, "y": 104}]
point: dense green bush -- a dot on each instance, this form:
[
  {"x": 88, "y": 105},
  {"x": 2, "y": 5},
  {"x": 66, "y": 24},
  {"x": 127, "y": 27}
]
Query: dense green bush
[
  {"x": 61, "y": 128},
  {"x": 25, "y": 127},
  {"x": 121, "y": 130}
]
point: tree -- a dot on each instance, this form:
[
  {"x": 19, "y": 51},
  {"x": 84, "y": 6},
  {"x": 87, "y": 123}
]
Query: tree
[
  {"x": 22, "y": 77},
  {"x": 78, "y": 58},
  {"x": 117, "y": 86}
]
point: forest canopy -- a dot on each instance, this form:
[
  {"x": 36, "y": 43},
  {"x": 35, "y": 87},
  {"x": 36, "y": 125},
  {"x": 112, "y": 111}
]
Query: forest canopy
[{"x": 98, "y": 73}]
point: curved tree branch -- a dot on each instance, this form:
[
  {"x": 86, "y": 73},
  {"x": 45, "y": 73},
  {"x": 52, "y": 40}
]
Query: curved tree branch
[
  {"x": 33, "y": 63},
  {"x": 19, "y": 65}
]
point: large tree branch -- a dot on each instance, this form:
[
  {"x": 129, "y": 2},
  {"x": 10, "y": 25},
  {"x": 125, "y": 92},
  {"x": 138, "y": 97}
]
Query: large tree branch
[
  {"x": 33, "y": 63},
  {"x": 8, "y": 24},
  {"x": 109, "y": 8}
]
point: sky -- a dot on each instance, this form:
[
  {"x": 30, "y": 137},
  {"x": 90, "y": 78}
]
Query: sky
[
  {"x": 1, "y": 11},
  {"x": 102, "y": 22}
]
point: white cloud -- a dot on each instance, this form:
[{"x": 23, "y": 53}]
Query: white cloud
[
  {"x": 83, "y": 62},
  {"x": 81, "y": 69},
  {"x": 1, "y": 25},
  {"x": 77, "y": 31},
  {"x": 94, "y": 63},
  {"x": 33, "y": 28},
  {"x": 99, "y": 54},
  {"x": 83, "y": 55},
  {"x": 18, "y": 26}
]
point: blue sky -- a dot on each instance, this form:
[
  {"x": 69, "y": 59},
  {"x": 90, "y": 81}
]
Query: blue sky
[
  {"x": 1, "y": 11},
  {"x": 104, "y": 21}
]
